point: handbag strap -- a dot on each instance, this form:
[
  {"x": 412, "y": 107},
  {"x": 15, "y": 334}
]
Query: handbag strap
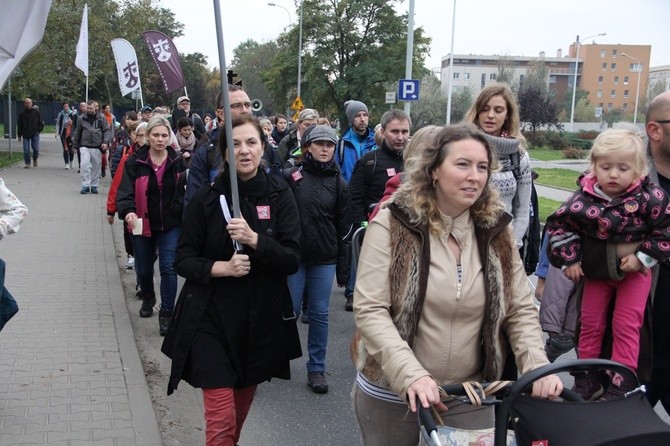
[{"x": 475, "y": 393}]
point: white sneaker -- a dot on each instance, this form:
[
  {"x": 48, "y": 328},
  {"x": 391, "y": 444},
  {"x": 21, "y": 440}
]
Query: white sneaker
[
  {"x": 67, "y": 166},
  {"x": 130, "y": 263}
]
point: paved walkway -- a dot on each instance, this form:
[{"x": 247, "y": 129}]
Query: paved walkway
[{"x": 70, "y": 372}]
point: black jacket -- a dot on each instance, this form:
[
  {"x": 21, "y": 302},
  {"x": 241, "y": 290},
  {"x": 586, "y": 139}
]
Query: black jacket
[
  {"x": 369, "y": 178},
  {"x": 253, "y": 326},
  {"x": 287, "y": 145},
  {"x": 161, "y": 209},
  {"x": 325, "y": 215},
  {"x": 30, "y": 123}
]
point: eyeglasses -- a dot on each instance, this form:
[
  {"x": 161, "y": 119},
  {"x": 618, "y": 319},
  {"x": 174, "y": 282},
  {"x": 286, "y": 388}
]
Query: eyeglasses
[
  {"x": 241, "y": 105},
  {"x": 663, "y": 121}
]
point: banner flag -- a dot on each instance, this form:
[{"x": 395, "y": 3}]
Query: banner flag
[
  {"x": 81, "y": 61},
  {"x": 167, "y": 60},
  {"x": 126, "y": 66}
]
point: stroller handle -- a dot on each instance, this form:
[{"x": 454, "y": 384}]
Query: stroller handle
[{"x": 576, "y": 365}]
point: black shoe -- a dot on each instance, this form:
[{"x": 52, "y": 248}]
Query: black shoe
[
  {"x": 558, "y": 344},
  {"x": 349, "y": 304},
  {"x": 317, "y": 381},
  {"x": 148, "y": 302},
  {"x": 84, "y": 190},
  {"x": 94, "y": 190},
  {"x": 103, "y": 173},
  {"x": 164, "y": 321}
]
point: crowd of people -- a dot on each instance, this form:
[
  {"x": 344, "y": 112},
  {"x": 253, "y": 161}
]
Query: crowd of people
[{"x": 439, "y": 293}]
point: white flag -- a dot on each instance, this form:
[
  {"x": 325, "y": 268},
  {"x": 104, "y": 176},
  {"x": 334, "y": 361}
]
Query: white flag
[
  {"x": 126, "y": 66},
  {"x": 81, "y": 61}
]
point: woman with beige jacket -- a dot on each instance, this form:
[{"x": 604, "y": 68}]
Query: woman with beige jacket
[{"x": 440, "y": 292}]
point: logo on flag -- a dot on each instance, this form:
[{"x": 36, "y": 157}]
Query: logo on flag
[
  {"x": 126, "y": 66},
  {"x": 166, "y": 58}
]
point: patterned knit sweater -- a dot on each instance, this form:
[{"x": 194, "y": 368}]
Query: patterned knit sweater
[{"x": 515, "y": 193}]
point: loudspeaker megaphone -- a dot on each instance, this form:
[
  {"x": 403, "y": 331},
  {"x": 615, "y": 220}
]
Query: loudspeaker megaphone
[{"x": 256, "y": 105}]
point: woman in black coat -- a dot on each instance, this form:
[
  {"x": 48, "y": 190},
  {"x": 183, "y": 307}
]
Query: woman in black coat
[{"x": 234, "y": 326}]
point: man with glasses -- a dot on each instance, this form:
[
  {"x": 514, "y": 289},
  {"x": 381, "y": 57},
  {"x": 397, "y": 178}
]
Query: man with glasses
[
  {"x": 658, "y": 133},
  {"x": 207, "y": 161}
]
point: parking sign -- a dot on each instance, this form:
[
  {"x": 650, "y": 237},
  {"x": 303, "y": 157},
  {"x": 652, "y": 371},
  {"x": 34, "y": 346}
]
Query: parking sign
[{"x": 408, "y": 90}]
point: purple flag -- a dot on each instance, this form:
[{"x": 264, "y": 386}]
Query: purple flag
[{"x": 167, "y": 60}]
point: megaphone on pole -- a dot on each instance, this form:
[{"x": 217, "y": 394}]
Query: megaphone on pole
[{"x": 256, "y": 105}]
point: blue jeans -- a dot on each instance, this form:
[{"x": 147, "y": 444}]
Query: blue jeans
[
  {"x": 33, "y": 141},
  {"x": 319, "y": 282},
  {"x": 145, "y": 257}
]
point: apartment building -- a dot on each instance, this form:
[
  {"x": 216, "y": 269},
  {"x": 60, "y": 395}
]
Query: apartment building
[
  {"x": 610, "y": 73},
  {"x": 478, "y": 71}
]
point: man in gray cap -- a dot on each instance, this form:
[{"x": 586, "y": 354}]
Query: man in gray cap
[
  {"x": 357, "y": 140},
  {"x": 184, "y": 111}
]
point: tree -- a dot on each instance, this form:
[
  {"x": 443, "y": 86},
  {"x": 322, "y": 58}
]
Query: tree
[
  {"x": 657, "y": 88},
  {"x": 461, "y": 101},
  {"x": 431, "y": 108},
  {"x": 505, "y": 70},
  {"x": 49, "y": 72},
  {"x": 250, "y": 60},
  {"x": 536, "y": 108},
  {"x": 353, "y": 49}
]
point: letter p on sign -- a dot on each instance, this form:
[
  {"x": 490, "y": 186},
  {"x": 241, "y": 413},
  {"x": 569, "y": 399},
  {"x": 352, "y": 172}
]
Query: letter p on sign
[{"x": 408, "y": 90}]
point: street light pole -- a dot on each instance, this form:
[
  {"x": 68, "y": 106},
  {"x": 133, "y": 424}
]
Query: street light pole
[
  {"x": 300, "y": 51},
  {"x": 409, "y": 54},
  {"x": 451, "y": 65},
  {"x": 290, "y": 22},
  {"x": 574, "y": 84},
  {"x": 639, "y": 75}
]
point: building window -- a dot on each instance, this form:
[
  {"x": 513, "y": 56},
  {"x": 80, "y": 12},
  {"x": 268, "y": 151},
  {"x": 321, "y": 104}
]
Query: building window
[
  {"x": 602, "y": 54},
  {"x": 633, "y": 67},
  {"x": 600, "y": 93},
  {"x": 456, "y": 75},
  {"x": 625, "y": 80},
  {"x": 466, "y": 75},
  {"x": 552, "y": 79},
  {"x": 609, "y": 106},
  {"x": 612, "y": 94},
  {"x": 483, "y": 81},
  {"x": 600, "y": 80},
  {"x": 614, "y": 53},
  {"x": 601, "y": 105},
  {"x": 625, "y": 94},
  {"x": 604, "y": 66},
  {"x": 613, "y": 66},
  {"x": 616, "y": 80},
  {"x": 492, "y": 76},
  {"x": 625, "y": 105},
  {"x": 521, "y": 78}
]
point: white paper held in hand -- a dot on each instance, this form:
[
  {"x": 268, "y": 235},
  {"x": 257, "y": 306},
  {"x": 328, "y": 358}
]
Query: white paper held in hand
[
  {"x": 226, "y": 214},
  {"x": 137, "y": 229}
]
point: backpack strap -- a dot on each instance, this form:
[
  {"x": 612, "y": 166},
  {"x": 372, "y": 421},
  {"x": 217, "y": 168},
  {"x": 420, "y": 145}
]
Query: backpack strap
[{"x": 515, "y": 161}]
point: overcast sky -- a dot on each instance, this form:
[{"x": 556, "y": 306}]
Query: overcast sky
[{"x": 503, "y": 27}]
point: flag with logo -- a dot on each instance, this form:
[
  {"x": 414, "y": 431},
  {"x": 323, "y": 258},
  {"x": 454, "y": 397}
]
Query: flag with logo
[
  {"x": 126, "y": 66},
  {"x": 81, "y": 60},
  {"x": 167, "y": 60}
]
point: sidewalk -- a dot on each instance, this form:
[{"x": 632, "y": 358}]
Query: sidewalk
[{"x": 70, "y": 372}]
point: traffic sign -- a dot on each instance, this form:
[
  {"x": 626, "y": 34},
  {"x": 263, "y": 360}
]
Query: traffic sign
[
  {"x": 408, "y": 90},
  {"x": 297, "y": 104},
  {"x": 599, "y": 112},
  {"x": 390, "y": 97}
]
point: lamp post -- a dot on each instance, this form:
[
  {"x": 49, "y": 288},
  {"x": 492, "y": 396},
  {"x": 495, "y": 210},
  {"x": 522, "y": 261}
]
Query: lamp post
[
  {"x": 300, "y": 51},
  {"x": 574, "y": 85},
  {"x": 639, "y": 75},
  {"x": 290, "y": 22},
  {"x": 451, "y": 65}
]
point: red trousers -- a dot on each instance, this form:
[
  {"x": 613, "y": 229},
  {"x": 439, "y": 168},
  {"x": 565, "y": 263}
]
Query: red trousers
[
  {"x": 631, "y": 298},
  {"x": 225, "y": 412}
]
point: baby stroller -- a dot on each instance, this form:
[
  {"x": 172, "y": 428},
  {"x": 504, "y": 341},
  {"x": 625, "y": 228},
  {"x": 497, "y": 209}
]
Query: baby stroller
[{"x": 567, "y": 421}]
